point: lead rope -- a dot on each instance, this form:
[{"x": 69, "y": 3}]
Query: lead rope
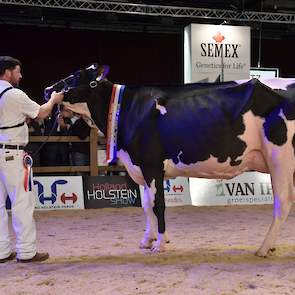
[{"x": 50, "y": 132}]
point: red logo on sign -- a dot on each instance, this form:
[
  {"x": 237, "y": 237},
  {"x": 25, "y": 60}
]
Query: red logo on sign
[
  {"x": 218, "y": 37},
  {"x": 177, "y": 188},
  {"x": 65, "y": 198}
]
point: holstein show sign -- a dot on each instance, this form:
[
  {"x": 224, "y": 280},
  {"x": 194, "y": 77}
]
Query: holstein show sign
[
  {"x": 216, "y": 52},
  {"x": 110, "y": 191}
]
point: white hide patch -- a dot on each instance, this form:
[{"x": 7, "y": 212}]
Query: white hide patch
[
  {"x": 152, "y": 192},
  {"x": 273, "y": 83},
  {"x": 80, "y": 108},
  {"x": 281, "y": 114},
  {"x": 210, "y": 168},
  {"x": 161, "y": 108},
  {"x": 133, "y": 170},
  {"x": 278, "y": 83},
  {"x": 178, "y": 156},
  {"x": 136, "y": 174}
]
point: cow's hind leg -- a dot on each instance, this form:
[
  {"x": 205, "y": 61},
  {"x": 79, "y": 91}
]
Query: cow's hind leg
[
  {"x": 283, "y": 191},
  {"x": 150, "y": 219}
]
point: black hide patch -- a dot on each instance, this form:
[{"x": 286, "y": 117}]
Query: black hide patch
[{"x": 275, "y": 128}]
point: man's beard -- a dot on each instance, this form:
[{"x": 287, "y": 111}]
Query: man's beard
[{"x": 14, "y": 83}]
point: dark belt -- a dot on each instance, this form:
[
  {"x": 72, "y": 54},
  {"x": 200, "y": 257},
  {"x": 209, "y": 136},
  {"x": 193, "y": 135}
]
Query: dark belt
[{"x": 11, "y": 146}]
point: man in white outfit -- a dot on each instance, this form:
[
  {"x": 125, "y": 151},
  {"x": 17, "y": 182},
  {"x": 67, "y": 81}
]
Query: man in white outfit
[{"x": 15, "y": 107}]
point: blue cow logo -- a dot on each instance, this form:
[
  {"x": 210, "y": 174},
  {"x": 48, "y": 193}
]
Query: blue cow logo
[
  {"x": 53, "y": 196},
  {"x": 167, "y": 185}
]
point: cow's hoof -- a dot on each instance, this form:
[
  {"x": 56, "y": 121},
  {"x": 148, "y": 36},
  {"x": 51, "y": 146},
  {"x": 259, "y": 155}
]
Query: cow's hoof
[
  {"x": 146, "y": 243},
  {"x": 265, "y": 254},
  {"x": 158, "y": 247},
  {"x": 155, "y": 249},
  {"x": 167, "y": 240},
  {"x": 271, "y": 252},
  {"x": 258, "y": 254},
  {"x": 261, "y": 253}
]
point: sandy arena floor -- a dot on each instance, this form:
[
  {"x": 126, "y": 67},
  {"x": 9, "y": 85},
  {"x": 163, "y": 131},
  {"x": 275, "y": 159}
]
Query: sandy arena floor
[{"x": 211, "y": 252}]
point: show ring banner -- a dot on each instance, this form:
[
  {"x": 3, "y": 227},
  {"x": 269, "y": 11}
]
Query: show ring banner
[
  {"x": 249, "y": 188},
  {"x": 58, "y": 192},
  {"x": 69, "y": 192},
  {"x": 110, "y": 191},
  {"x": 176, "y": 192}
]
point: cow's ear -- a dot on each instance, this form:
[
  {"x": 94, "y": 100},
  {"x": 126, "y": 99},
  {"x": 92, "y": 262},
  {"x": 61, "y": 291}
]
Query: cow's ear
[{"x": 102, "y": 72}]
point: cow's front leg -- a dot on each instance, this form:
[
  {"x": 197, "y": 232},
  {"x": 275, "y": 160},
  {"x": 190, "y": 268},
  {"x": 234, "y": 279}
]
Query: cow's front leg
[
  {"x": 154, "y": 177},
  {"x": 159, "y": 210},
  {"x": 150, "y": 219},
  {"x": 283, "y": 192}
]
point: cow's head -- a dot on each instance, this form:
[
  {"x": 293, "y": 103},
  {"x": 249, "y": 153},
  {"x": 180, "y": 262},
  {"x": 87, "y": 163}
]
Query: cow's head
[
  {"x": 88, "y": 76},
  {"x": 86, "y": 86}
]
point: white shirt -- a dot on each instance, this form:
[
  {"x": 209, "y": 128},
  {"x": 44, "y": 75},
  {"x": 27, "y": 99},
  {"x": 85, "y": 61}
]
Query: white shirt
[{"x": 15, "y": 107}]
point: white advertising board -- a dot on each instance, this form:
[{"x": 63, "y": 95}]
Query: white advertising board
[
  {"x": 216, "y": 51},
  {"x": 176, "y": 192},
  {"x": 248, "y": 188},
  {"x": 264, "y": 73},
  {"x": 59, "y": 192}
]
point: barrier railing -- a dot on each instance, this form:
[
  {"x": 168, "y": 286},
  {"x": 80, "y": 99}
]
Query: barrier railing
[{"x": 93, "y": 168}]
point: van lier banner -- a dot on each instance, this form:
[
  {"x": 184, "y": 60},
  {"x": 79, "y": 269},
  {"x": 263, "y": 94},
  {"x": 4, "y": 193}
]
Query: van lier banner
[{"x": 246, "y": 189}]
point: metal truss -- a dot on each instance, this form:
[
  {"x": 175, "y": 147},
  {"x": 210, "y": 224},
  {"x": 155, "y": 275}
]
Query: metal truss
[{"x": 159, "y": 10}]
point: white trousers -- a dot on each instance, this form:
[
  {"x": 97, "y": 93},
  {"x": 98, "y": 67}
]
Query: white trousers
[{"x": 22, "y": 206}]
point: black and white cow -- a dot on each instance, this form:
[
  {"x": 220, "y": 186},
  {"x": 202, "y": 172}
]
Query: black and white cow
[{"x": 210, "y": 130}]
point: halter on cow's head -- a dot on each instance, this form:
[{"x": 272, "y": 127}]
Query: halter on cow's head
[
  {"x": 84, "y": 86},
  {"x": 90, "y": 75}
]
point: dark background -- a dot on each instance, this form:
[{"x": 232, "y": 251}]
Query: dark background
[
  {"x": 52, "y": 44},
  {"x": 48, "y": 54}
]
